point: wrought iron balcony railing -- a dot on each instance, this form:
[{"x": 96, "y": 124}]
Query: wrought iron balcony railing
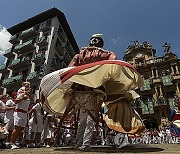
[
  {"x": 42, "y": 41},
  {"x": 8, "y": 53},
  {"x": 11, "y": 80},
  {"x": 14, "y": 39},
  {"x": 26, "y": 46},
  {"x": 38, "y": 57},
  {"x": 28, "y": 33}
]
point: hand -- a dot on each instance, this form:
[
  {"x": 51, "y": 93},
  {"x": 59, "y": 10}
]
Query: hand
[{"x": 26, "y": 96}]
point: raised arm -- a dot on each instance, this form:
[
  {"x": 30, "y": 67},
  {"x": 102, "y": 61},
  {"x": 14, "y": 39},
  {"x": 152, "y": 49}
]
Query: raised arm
[{"x": 74, "y": 61}]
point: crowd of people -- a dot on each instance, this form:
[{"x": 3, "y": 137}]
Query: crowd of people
[{"x": 27, "y": 124}]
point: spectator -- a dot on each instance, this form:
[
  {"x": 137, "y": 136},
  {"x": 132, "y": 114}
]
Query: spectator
[
  {"x": 20, "y": 116},
  {"x": 3, "y": 100},
  {"x": 36, "y": 124},
  {"x": 9, "y": 116}
]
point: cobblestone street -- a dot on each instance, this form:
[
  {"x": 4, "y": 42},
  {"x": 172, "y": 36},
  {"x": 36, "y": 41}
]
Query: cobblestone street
[{"x": 153, "y": 148}]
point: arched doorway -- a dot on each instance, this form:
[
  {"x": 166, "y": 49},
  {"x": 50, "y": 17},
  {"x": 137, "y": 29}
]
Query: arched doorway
[{"x": 150, "y": 123}]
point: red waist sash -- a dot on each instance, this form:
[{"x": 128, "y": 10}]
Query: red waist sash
[{"x": 20, "y": 110}]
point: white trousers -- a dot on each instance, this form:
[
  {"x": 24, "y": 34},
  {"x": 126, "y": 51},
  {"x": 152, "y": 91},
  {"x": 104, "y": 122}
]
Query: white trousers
[{"x": 85, "y": 129}]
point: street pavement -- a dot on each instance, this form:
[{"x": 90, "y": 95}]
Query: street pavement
[{"x": 140, "y": 148}]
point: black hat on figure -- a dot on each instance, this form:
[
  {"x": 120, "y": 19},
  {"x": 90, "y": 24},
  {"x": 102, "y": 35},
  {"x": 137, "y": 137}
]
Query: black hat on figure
[{"x": 96, "y": 40}]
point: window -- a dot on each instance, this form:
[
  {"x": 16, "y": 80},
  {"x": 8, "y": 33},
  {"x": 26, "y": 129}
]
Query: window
[
  {"x": 60, "y": 30},
  {"x": 58, "y": 42}
]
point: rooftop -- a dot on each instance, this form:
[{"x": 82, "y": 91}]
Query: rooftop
[{"x": 53, "y": 12}]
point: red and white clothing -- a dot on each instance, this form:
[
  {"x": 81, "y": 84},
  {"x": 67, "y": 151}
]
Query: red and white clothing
[
  {"x": 9, "y": 115},
  {"x": 20, "y": 114},
  {"x": 36, "y": 127},
  {"x": 91, "y": 54},
  {"x": 2, "y": 106}
]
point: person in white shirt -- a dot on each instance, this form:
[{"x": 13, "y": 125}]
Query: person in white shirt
[
  {"x": 51, "y": 128},
  {"x": 36, "y": 124},
  {"x": 3, "y": 99},
  {"x": 9, "y": 116},
  {"x": 20, "y": 114}
]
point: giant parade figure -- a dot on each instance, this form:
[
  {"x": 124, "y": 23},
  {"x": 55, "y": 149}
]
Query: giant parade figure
[
  {"x": 94, "y": 77},
  {"x": 175, "y": 119}
]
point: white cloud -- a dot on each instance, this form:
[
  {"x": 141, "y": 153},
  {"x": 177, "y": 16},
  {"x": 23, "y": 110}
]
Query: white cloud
[{"x": 4, "y": 40}]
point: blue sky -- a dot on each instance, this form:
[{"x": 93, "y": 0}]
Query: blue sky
[{"x": 121, "y": 21}]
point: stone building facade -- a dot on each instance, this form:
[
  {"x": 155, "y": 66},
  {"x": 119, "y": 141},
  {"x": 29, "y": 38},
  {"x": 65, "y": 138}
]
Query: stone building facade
[{"x": 161, "y": 82}]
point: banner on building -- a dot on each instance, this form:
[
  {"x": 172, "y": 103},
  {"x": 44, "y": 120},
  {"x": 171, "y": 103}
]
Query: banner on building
[
  {"x": 167, "y": 80},
  {"x": 147, "y": 107},
  {"x": 146, "y": 85}
]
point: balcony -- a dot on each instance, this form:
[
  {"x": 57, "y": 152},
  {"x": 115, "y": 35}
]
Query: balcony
[
  {"x": 176, "y": 77},
  {"x": 44, "y": 27},
  {"x": 11, "y": 81},
  {"x": 14, "y": 62},
  {"x": 24, "y": 47},
  {"x": 14, "y": 39},
  {"x": 31, "y": 32},
  {"x": 3, "y": 68},
  {"x": 7, "y": 81},
  {"x": 42, "y": 41},
  {"x": 38, "y": 57},
  {"x": 156, "y": 80},
  {"x": 8, "y": 53},
  {"x": 33, "y": 76},
  {"x": 19, "y": 63}
]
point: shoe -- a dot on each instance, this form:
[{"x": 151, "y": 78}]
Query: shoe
[
  {"x": 84, "y": 148},
  {"x": 48, "y": 146},
  {"x": 7, "y": 143},
  {"x": 31, "y": 145},
  {"x": 13, "y": 146}
]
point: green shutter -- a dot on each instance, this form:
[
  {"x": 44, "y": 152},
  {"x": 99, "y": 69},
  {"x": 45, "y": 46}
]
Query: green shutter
[
  {"x": 146, "y": 85},
  {"x": 171, "y": 102},
  {"x": 147, "y": 108},
  {"x": 167, "y": 80}
]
